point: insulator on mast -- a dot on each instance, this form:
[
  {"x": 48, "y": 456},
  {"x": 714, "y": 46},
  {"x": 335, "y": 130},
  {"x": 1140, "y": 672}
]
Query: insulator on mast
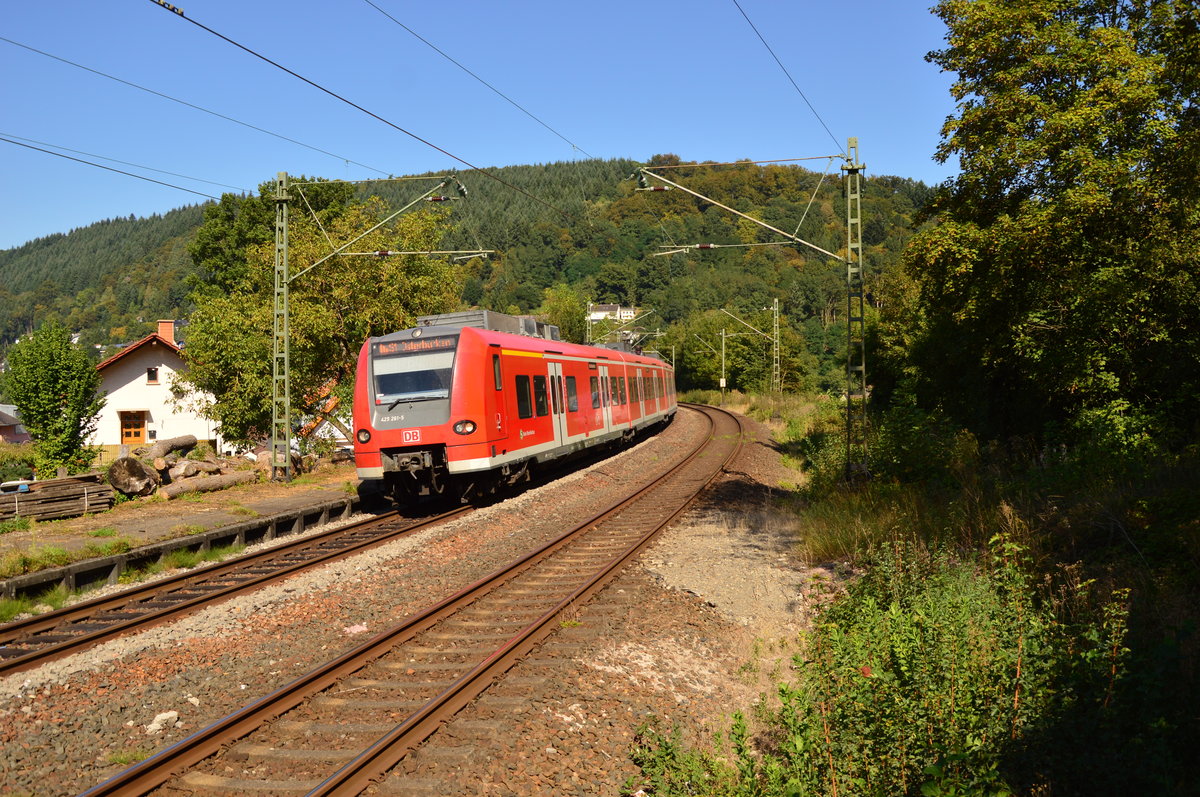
[{"x": 707, "y": 246}]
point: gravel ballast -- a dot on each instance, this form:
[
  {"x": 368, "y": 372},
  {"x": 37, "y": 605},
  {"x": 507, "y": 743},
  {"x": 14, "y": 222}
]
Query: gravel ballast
[{"x": 697, "y": 629}]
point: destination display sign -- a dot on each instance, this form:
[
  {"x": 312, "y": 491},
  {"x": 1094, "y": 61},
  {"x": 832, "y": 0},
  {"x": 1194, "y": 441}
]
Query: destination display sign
[{"x": 416, "y": 345}]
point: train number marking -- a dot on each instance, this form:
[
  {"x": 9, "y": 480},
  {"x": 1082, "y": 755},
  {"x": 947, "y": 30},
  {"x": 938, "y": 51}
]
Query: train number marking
[{"x": 410, "y": 436}]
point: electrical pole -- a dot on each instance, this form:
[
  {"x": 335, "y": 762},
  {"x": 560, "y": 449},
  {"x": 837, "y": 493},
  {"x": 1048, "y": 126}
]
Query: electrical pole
[
  {"x": 281, "y": 421},
  {"x": 856, "y": 357},
  {"x": 776, "y": 356}
]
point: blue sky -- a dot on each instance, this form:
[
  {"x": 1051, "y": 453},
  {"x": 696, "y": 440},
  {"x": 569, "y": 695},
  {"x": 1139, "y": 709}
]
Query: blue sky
[{"x": 615, "y": 79}]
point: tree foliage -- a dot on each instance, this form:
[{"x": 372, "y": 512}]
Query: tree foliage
[
  {"x": 332, "y": 309},
  {"x": 576, "y": 229},
  {"x": 1060, "y": 285},
  {"x": 55, "y": 387}
]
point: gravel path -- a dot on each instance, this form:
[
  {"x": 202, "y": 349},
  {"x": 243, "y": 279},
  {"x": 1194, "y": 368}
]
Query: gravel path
[{"x": 699, "y": 628}]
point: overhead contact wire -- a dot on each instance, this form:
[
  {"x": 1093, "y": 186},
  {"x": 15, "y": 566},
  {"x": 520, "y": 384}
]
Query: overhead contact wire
[
  {"x": 179, "y": 13},
  {"x": 109, "y": 168},
  {"x": 497, "y": 91},
  {"x": 788, "y": 74},
  {"x": 192, "y": 105},
  {"x": 125, "y": 163}
]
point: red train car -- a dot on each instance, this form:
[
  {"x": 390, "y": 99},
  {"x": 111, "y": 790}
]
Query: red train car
[{"x": 466, "y": 402}]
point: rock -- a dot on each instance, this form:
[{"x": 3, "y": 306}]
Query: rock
[{"x": 164, "y": 720}]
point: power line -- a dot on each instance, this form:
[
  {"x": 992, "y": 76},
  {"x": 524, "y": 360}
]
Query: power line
[
  {"x": 108, "y": 168},
  {"x": 508, "y": 99},
  {"x": 789, "y": 77},
  {"x": 126, "y": 163},
  {"x": 179, "y": 13},
  {"x": 190, "y": 105}
]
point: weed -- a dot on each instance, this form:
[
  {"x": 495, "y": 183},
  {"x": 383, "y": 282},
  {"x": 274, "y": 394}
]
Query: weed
[
  {"x": 239, "y": 509},
  {"x": 125, "y": 758},
  {"x": 187, "y": 529},
  {"x": 107, "y": 531},
  {"x": 110, "y": 548},
  {"x": 15, "y": 524}
]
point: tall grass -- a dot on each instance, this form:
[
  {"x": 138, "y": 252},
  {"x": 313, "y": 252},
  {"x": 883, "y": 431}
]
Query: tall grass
[{"x": 1025, "y": 622}]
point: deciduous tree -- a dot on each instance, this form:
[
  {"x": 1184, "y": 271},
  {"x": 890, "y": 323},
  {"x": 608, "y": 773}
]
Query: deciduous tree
[
  {"x": 56, "y": 389},
  {"x": 332, "y": 310},
  {"x": 1061, "y": 284}
]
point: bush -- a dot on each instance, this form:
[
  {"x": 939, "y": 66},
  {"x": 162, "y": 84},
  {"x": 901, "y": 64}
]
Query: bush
[
  {"x": 937, "y": 676},
  {"x": 16, "y": 461}
]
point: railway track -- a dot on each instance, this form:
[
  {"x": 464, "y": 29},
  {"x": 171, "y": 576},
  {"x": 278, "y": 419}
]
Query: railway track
[
  {"x": 28, "y": 643},
  {"x": 344, "y": 725}
]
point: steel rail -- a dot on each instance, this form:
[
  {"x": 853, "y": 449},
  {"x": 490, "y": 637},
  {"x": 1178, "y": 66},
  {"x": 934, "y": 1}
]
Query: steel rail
[
  {"x": 166, "y": 764},
  {"x": 221, "y": 571},
  {"x": 387, "y": 751}
]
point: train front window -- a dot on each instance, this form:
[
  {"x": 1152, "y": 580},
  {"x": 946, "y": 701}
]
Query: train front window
[{"x": 413, "y": 377}]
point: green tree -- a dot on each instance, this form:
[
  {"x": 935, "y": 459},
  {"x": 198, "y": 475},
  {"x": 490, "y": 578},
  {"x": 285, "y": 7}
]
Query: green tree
[
  {"x": 332, "y": 309},
  {"x": 566, "y": 308},
  {"x": 56, "y": 389},
  {"x": 1061, "y": 282}
]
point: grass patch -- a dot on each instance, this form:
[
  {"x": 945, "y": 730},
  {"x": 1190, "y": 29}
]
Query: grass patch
[
  {"x": 124, "y": 758},
  {"x": 107, "y": 531},
  {"x": 15, "y": 524},
  {"x": 54, "y": 598},
  {"x": 187, "y": 529},
  {"x": 239, "y": 509},
  {"x": 179, "y": 559}
]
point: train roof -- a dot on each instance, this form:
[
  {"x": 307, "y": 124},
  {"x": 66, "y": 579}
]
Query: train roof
[{"x": 517, "y": 331}]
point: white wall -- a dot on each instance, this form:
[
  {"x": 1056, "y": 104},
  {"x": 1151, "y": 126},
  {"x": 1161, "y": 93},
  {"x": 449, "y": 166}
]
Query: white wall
[{"x": 125, "y": 382}]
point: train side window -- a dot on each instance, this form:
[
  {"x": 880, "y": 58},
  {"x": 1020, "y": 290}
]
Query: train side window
[
  {"x": 496, "y": 372},
  {"x": 621, "y": 389},
  {"x": 556, "y": 395},
  {"x": 612, "y": 390},
  {"x": 572, "y": 396},
  {"x": 524, "y": 404},
  {"x": 594, "y": 386},
  {"x": 539, "y": 396},
  {"x": 633, "y": 390}
]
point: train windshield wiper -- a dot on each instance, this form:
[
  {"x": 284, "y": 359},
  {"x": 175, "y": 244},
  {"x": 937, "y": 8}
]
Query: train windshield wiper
[{"x": 426, "y": 397}]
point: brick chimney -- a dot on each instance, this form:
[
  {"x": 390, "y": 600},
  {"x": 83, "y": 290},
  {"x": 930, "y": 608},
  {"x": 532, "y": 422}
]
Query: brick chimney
[{"x": 166, "y": 330}]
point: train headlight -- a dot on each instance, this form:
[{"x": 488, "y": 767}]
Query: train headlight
[
  {"x": 464, "y": 427},
  {"x": 363, "y": 435}
]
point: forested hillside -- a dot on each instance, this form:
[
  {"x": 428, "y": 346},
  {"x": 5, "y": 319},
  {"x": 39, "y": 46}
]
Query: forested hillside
[
  {"x": 108, "y": 281},
  {"x": 579, "y": 227}
]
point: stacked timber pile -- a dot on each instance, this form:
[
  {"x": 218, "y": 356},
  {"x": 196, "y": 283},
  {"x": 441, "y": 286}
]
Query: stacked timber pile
[
  {"x": 56, "y": 498},
  {"x": 164, "y": 469}
]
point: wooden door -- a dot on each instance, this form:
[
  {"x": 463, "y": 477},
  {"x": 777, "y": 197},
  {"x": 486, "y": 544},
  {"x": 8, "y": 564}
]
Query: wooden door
[{"x": 133, "y": 428}]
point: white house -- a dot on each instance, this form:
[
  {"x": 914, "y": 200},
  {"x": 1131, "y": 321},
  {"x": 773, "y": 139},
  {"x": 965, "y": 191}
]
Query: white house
[
  {"x": 140, "y": 407},
  {"x": 600, "y": 312}
]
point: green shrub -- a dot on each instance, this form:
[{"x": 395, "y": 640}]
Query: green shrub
[{"x": 940, "y": 676}]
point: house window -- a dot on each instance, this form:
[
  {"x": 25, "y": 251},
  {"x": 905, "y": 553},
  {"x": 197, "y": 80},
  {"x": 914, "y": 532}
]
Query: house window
[{"x": 151, "y": 376}]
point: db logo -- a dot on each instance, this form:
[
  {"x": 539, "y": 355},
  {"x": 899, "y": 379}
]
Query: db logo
[{"x": 410, "y": 436}]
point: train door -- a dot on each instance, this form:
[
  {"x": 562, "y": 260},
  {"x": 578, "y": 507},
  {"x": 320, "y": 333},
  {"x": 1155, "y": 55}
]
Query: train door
[
  {"x": 639, "y": 390},
  {"x": 558, "y": 403},
  {"x": 605, "y": 397}
]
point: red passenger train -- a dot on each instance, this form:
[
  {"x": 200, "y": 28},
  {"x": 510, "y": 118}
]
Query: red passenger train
[{"x": 465, "y": 403}]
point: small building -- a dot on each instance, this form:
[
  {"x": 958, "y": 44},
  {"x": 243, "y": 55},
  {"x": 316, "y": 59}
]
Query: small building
[
  {"x": 141, "y": 406},
  {"x": 600, "y": 312},
  {"x": 11, "y": 430}
]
